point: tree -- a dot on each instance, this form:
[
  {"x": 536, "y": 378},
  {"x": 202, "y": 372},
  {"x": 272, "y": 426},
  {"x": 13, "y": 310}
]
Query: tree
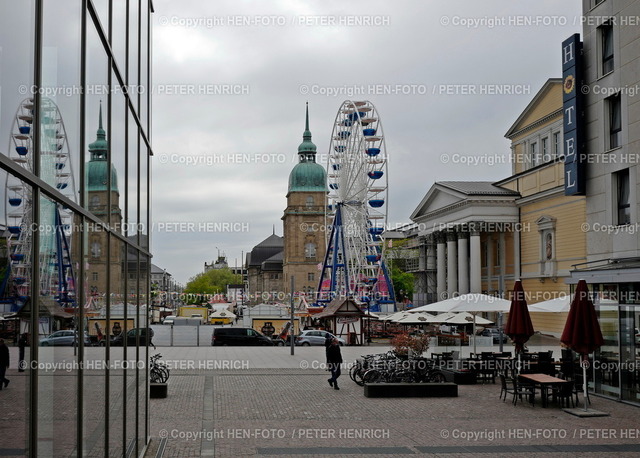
[
  {"x": 402, "y": 283},
  {"x": 202, "y": 287}
]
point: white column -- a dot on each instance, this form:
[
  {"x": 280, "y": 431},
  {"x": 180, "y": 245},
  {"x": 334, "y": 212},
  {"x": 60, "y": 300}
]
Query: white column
[
  {"x": 475, "y": 260},
  {"x": 441, "y": 273},
  {"x": 463, "y": 263},
  {"x": 516, "y": 253},
  {"x": 503, "y": 262},
  {"x": 452, "y": 268}
]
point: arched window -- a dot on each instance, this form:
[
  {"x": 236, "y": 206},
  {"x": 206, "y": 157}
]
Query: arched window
[
  {"x": 310, "y": 250},
  {"x": 95, "y": 201},
  {"x": 310, "y": 201}
]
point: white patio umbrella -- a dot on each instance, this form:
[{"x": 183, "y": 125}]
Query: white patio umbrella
[
  {"x": 467, "y": 318},
  {"x": 474, "y": 302},
  {"x": 558, "y": 304},
  {"x": 393, "y": 316},
  {"x": 417, "y": 318}
]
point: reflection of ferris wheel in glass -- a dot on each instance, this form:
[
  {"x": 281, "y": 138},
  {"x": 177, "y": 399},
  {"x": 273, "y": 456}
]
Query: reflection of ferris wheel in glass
[
  {"x": 56, "y": 278},
  {"x": 357, "y": 211}
]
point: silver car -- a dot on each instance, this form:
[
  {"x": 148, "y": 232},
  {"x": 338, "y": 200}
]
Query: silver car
[
  {"x": 63, "y": 338},
  {"x": 314, "y": 337}
]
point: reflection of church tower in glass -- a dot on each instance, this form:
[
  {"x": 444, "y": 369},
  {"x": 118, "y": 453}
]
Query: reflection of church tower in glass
[
  {"x": 303, "y": 219},
  {"x": 97, "y": 170}
]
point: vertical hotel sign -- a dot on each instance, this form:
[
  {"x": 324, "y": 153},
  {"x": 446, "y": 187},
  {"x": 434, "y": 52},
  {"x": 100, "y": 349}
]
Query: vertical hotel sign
[{"x": 573, "y": 125}]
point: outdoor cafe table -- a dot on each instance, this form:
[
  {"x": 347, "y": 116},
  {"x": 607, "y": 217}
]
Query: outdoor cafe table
[{"x": 544, "y": 381}]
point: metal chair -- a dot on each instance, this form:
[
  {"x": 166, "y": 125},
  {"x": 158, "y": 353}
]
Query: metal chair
[
  {"x": 522, "y": 389},
  {"x": 564, "y": 393}
]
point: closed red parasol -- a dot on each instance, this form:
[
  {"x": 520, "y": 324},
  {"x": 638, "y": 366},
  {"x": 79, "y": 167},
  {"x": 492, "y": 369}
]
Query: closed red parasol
[
  {"x": 519, "y": 326},
  {"x": 582, "y": 331}
]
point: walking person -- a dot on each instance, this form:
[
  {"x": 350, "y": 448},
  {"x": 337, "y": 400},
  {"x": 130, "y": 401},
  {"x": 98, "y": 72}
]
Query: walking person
[
  {"x": 327, "y": 343},
  {"x": 4, "y": 364},
  {"x": 334, "y": 357},
  {"x": 23, "y": 342}
]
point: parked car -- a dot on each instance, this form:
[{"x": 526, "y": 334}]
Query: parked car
[
  {"x": 315, "y": 337},
  {"x": 169, "y": 319},
  {"x": 65, "y": 338},
  {"x": 495, "y": 333},
  {"x": 145, "y": 336},
  {"x": 239, "y": 336}
]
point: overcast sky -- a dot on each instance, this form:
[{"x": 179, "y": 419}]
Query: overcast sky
[{"x": 226, "y": 158}]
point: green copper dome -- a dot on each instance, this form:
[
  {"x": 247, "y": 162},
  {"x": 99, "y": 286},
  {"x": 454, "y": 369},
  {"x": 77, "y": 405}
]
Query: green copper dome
[
  {"x": 97, "y": 168},
  {"x": 307, "y": 175}
]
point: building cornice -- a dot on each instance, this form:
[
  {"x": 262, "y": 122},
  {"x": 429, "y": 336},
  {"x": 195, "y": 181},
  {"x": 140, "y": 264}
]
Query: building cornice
[{"x": 537, "y": 124}]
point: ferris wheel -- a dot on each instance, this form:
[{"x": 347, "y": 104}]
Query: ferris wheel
[
  {"x": 357, "y": 211},
  {"x": 56, "y": 279}
]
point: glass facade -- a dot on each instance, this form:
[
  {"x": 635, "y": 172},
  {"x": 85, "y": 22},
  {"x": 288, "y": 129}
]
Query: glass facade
[
  {"x": 616, "y": 365},
  {"x": 74, "y": 268}
]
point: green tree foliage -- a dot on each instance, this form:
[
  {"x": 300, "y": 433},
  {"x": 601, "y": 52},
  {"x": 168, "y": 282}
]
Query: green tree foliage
[
  {"x": 202, "y": 287},
  {"x": 402, "y": 283}
]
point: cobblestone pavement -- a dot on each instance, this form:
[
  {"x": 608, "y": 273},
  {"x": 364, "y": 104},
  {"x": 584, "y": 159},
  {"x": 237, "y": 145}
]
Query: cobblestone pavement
[{"x": 289, "y": 410}]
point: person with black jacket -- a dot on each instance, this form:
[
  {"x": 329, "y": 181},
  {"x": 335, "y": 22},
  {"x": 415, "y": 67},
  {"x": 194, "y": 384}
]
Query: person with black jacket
[
  {"x": 334, "y": 359},
  {"x": 327, "y": 343},
  {"x": 23, "y": 342},
  {"x": 4, "y": 363}
]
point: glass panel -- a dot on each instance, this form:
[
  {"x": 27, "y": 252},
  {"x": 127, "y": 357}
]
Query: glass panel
[
  {"x": 144, "y": 196},
  {"x": 132, "y": 180},
  {"x": 119, "y": 37},
  {"x": 96, "y": 135},
  {"x": 629, "y": 370},
  {"x": 606, "y": 359},
  {"x": 133, "y": 49},
  {"x": 102, "y": 8},
  {"x": 120, "y": 323},
  {"x": 144, "y": 62},
  {"x": 14, "y": 268},
  {"x": 57, "y": 398},
  {"x": 607, "y": 49},
  {"x": 118, "y": 145},
  {"x": 60, "y": 102},
  {"x": 16, "y": 69},
  {"x": 142, "y": 394},
  {"x": 94, "y": 391}
]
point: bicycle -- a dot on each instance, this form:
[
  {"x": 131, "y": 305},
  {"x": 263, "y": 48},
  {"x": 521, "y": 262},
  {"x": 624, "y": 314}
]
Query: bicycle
[{"x": 158, "y": 371}]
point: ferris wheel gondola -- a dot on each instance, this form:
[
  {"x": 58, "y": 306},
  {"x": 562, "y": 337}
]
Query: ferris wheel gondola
[{"x": 357, "y": 211}]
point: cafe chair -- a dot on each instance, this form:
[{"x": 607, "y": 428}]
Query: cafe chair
[
  {"x": 504, "y": 388},
  {"x": 522, "y": 389},
  {"x": 564, "y": 394}
]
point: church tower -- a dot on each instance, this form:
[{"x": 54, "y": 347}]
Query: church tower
[
  {"x": 303, "y": 220},
  {"x": 97, "y": 170}
]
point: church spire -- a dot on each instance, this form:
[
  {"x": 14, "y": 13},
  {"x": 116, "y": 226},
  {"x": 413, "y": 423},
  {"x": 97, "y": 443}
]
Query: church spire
[
  {"x": 307, "y": 149},
  {"x": 98, "y": 149}
]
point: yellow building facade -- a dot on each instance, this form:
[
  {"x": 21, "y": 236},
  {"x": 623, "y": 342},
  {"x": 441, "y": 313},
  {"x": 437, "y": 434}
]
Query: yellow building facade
[{"x": 552, "y": 236}]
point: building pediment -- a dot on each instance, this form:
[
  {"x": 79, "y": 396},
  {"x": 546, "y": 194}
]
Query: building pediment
[
  {"x": 437, "y": 198},
  {"x": 455, "y": 203}
]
